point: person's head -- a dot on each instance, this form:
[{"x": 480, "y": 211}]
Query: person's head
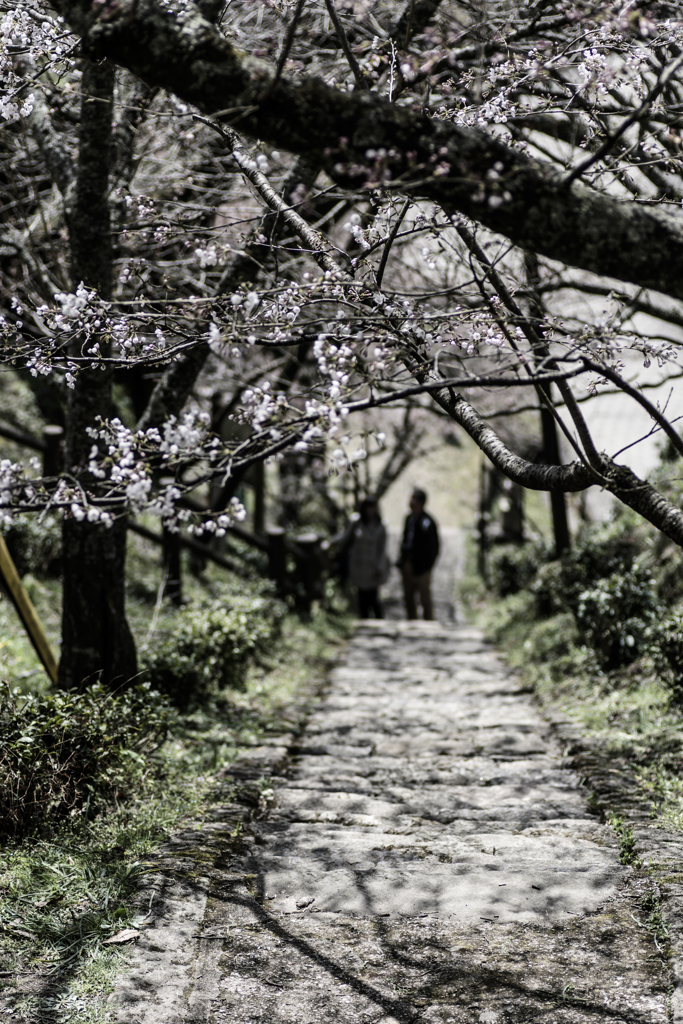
[
  {"x": 418, "y": 500},
  {"x": 369, "y": 509}
]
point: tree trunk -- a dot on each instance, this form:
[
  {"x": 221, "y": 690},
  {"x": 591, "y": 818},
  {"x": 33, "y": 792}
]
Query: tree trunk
[
  {"x": 96, "y": 639},
  {"x": 551, "y": 447},
  {"x": 558, "y": 501}
]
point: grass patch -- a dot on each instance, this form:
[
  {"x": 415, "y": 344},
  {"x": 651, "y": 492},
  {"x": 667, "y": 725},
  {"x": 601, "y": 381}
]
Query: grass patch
[
  {"x": 627, "y": 842},
  {"x": 19, "y": 663}
]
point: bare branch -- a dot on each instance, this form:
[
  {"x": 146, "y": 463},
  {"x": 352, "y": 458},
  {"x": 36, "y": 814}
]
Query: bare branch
[
  {"x": 361, "y": 81},
  {"x": 270, "y": 197},
  {"x": 637, "y": 115},
  {"x": 635, "y": 393}
]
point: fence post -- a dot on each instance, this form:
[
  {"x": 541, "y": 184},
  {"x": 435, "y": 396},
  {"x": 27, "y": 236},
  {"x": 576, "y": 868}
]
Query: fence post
[
  {"x": 172, "y": 566},
  {"x": 277, "y": 556},
  {"x": 52, "y": 452}
]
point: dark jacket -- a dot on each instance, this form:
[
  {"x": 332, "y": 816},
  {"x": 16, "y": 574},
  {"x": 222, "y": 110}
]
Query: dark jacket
[{"x": 420, "y": 544}]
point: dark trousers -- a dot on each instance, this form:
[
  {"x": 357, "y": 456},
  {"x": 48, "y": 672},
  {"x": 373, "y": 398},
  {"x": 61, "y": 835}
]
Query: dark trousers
[
  {"x": 414, "y": 587},
  {"x": 368, "y": 601}
]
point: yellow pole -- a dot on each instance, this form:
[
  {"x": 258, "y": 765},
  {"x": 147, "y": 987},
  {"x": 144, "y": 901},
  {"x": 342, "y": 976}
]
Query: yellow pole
[{"x": 27, "y": 613}]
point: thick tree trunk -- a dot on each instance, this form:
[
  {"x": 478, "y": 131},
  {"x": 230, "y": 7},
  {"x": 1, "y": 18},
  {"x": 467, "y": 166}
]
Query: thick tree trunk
[{"x": 96, "y": 639}]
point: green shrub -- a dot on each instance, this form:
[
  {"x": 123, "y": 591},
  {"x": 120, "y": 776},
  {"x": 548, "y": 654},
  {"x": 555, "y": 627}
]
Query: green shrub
[
  {"x": 70, "y": 752},
  {"x": 211, "y": 645},
  {"x": 35, "y": 544},
  {"x": 599, "y": 553},
  {"x": 614, "y": 614},
  {"x": 513, "y": 569},
  {"x": 547, "y": 589},
  {"x": 665, "y": 639}
]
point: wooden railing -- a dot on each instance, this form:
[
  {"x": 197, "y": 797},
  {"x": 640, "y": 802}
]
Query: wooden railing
[{"x": 297, "y": 565}]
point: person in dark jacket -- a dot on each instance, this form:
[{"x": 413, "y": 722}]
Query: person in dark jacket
[{"x": 419, "y": 552}]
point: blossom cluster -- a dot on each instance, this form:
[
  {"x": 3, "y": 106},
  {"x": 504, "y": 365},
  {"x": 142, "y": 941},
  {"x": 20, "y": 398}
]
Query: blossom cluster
[{"x": 28, "y": 29}]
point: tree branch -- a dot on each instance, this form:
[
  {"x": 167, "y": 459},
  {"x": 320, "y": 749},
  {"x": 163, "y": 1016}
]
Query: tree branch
[
  {"x": 618, "y": 480},
  {"x": 634, "y": 393},
  {"x": 612, "y": 138},
  {"x": 175, "y": 385},
  {"x": 527, "y": 202},
  {"x": 361, "y": 81},
  {"x": 270, "y": 197}
]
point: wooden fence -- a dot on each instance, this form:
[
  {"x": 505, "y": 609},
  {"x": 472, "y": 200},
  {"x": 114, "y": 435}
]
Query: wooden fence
[{"x": 297, "y": 565}]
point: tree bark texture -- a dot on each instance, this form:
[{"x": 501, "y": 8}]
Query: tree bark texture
[
  {"x": 96, "y": 640},
  {"x": 440, "y": 161}
]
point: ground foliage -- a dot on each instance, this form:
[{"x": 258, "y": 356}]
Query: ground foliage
[
  {"x": 63, "y": 755},
  {"x": 600, "y": 633},
  {"x": 607, "y": 581},
  {"x": 211, "y": 644}
]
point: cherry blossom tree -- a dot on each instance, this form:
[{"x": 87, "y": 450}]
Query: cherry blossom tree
[{"x": 318, "y": 211}]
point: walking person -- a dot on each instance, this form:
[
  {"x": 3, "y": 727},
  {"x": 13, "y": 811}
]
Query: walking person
[
  {"x": 419, "y": 552},
  {"x": 368, "y": 564}
]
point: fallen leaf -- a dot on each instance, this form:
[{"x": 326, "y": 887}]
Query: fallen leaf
[{"x": 125, "y": 935}]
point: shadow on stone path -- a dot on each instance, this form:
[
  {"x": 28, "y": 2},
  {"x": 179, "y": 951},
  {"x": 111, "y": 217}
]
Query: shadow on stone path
[{"x": 424, "y": 855}]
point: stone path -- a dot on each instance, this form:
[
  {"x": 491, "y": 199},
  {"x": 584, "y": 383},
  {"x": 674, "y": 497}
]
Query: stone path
[{"x": 424, "y": 854}]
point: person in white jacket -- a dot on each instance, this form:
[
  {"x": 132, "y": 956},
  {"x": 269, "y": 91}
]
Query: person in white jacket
[{"x": 368, "y": 564}]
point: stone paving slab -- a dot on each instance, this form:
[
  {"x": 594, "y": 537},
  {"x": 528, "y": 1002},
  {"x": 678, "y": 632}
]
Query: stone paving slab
[{"x": 427, "y": 854}]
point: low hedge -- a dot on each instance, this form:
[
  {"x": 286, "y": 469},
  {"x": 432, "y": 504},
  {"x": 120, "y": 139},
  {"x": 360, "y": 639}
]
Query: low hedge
[
  {"x": 71, "y": 753},
  {"x": 211, "y": 646}
]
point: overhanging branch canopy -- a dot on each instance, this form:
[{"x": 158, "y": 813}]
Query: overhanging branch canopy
[{"x": 525, "y": 200}]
